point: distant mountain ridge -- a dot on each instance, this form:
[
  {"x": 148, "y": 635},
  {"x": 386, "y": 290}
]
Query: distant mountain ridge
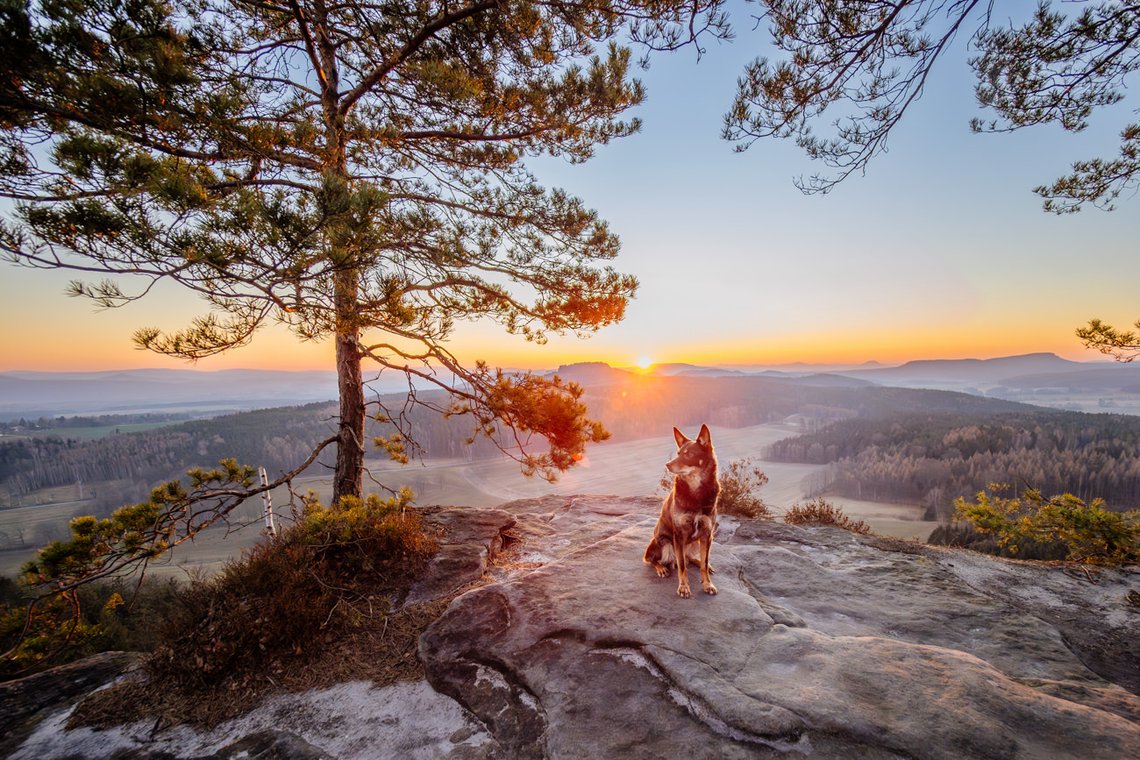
[
  {"x": 32, "y": 394},
  {"x": 975, "y": 370},
  {"x": 62, "y": 393},
  {"x": 1015, "y": 377}
]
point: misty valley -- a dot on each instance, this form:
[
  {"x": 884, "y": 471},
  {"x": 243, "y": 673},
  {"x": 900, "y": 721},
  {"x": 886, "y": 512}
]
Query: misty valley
[{"x": 896, "y": 457}]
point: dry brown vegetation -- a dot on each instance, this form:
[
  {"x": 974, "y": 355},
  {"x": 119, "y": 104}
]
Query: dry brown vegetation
[
  {"x": 819, "y": 511},
  {"x": 317, "y": 606},
  {"x": 738, "y": 485}
]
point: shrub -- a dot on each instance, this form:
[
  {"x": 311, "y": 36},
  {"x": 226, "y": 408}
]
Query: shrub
[
  {"x": 964, "y": 535},
  {"x": 738, "y": 484},
  {"x": 335, "y": 569},
  {"x": 119, "y": 614},
  {"x": 819, "y": 511},
  {"x": 1064, "y": 525},
  {"x": 44, "y": 634}
]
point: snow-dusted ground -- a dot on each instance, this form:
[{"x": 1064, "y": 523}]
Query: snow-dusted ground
[{"x": 349, "y": 720}]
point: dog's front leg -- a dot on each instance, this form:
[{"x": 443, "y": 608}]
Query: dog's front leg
[
  {"x": 706, "y": 571},
  {"x": 682, "y": 569}
]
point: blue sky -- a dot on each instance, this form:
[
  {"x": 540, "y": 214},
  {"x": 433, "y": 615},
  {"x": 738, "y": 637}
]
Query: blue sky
[{"x": 940, "y": 251}]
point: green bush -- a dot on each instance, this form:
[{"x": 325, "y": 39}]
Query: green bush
[
  {"x": 1065, "y": 525},
  {"x": 115, "y": 615},
  {"x": 964, "y": 535},
  {"x": 819, "y": 511}
]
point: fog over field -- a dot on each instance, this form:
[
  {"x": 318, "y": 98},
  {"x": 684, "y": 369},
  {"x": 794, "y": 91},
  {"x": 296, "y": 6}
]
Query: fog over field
[
  {"x": 635, "y": 468},
  {"x": 632, "y": 468},
  {"x": 87, "y": 473}
]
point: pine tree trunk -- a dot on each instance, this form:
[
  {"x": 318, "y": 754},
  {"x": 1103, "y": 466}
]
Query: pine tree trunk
[{"x": 348, "y": 479}]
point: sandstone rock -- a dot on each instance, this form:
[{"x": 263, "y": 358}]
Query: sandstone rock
[
  {"x": 820, "y": 643},
  {"x": 471, "y": 537},
  {"x": 409, "y": 721},
  {"x": 270, "y": 745},
  {"x": 25, "y": 701}
]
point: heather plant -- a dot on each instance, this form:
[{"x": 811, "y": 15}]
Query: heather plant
[
  {"x": 739, "y": 483},
  {"x": 819, "y": 511},
  {"x": 336, "y": 569}
]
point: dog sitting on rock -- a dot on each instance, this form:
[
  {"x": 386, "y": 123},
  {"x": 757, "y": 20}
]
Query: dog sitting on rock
[{"x": 688, "y": 515}]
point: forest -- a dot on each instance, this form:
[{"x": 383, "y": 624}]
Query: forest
[
  {"x": 631, "y": 406},
  {"x": 42, "y": 425},
  {"x": 933, "y": 458},
  {"x": 277, "y": 439}
]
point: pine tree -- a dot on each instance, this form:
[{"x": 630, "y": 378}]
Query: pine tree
[
  {"x": 854, "y": 69},
  {"x": 355, "y": 171}
]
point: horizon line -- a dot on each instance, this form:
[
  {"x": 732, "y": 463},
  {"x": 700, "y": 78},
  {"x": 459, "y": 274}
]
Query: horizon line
[{"x": 870, "y": 363}]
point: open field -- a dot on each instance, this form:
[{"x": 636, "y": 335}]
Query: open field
[
  {"x": 1093, "y": 403},
  {"x": 43, "y": 497},
  {"x": 90, "y": 433},
  {"x": 632, "y": 468}
]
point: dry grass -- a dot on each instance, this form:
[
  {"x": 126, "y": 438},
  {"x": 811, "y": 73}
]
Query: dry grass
[
  {"x": 819, "y": 511},
  {"x": 738, "y": 485},
  {"x": 316, "y": 607},
  {"x": 383, "y": 653}
]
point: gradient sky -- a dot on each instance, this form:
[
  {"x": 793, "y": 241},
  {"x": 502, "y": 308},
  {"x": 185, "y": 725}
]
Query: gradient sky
[{"x": 940, "y": 251}]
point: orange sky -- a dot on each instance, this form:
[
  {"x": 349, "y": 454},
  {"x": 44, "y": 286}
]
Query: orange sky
[{"x": 44, "y": 330}]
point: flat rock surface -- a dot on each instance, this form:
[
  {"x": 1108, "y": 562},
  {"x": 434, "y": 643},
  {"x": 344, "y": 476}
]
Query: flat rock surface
[{"x": 820, "y": 644}]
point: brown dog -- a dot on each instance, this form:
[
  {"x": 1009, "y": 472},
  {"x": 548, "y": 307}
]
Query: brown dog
[{"x": 688, "y": 515}]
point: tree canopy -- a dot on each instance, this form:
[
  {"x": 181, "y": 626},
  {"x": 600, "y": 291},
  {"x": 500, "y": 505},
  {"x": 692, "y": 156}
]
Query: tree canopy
[
  {"x": 852, "y": 70},
  {"x": 355, "y": 171}
]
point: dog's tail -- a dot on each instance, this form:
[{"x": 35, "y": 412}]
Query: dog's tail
[{"x": 659, "y": 552}]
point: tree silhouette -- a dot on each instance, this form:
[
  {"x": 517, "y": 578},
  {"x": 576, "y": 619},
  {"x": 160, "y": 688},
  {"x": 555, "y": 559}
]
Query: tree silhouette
[{"x": 1124, "y": 345}]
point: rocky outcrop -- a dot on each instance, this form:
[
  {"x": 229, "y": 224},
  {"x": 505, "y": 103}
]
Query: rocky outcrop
[
  {"x": 820, "y": 644},
  {"x": 25, "y": 701}
]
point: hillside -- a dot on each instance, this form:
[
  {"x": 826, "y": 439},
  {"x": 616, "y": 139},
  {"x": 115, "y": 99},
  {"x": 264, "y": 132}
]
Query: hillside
[
  {"x": 976, "y": 371},
  {"x": 933, "y": 459},
  {"x": 1043, "y": 379}
]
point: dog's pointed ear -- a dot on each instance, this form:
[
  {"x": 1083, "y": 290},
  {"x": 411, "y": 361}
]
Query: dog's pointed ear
[
  {"x": 704, "y": 437},
  {"x": 679, "y": 437}
]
